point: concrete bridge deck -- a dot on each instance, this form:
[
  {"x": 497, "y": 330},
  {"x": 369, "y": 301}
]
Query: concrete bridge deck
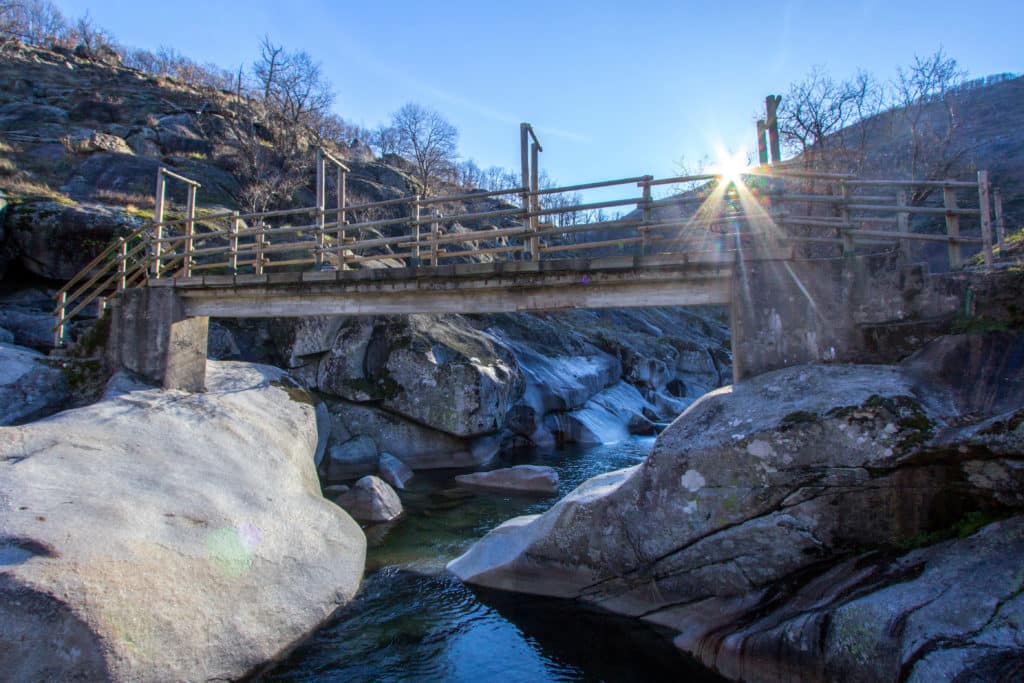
[{"x": 498, "y": 287}]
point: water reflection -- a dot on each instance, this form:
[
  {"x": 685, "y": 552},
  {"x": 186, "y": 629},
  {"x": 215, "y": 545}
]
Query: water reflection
[{"x": 412, "y": 621}]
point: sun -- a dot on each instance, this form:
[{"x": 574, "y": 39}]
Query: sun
[{"x": 730, "y": 166}]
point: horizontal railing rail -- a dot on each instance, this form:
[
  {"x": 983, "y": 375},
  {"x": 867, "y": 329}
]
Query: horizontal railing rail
[{"x": 793, "y": 207}]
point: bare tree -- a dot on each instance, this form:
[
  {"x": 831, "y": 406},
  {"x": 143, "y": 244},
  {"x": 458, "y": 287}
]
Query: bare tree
[
  {"x": 924, "y": 97},
  {"x": 428, "y": 140},
  {"x": 292, "y": 85}
]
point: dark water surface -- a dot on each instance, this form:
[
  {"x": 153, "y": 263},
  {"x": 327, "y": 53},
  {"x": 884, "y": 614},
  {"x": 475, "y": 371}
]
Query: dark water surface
[{"x": 413, "y": 621}]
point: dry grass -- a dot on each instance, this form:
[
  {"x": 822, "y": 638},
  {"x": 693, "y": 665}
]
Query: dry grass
[
  {"x": 129, "y": 200},
  {"x": 24, "y": 190}
]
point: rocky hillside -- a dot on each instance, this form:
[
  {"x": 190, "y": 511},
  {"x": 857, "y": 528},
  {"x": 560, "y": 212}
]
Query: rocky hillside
[{"x": 82, "y": 140}]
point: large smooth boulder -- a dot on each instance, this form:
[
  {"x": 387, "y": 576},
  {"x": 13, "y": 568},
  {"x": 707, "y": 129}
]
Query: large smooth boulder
[
  {"x": 56, "y": 240},
  {"x": 520, "y": 478},
  {"x": 159, "y": 535},
  {"x": 441, "y": 372},
  {"x": 759, "y": 484},
  {"x": 30, "y": 387},
  {"x": 371, "y": 499}
]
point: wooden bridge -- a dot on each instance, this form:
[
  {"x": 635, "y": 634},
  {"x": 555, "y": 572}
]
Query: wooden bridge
[{"x": 478, "y": 252}]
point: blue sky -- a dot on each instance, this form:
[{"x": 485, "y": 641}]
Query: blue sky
[{"x": 613, "y": 88}]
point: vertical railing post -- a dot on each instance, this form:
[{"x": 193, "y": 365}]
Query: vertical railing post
[
  {"x": 435, "y": 232},
  {"x": 58, "y": 334},
  {"x": 233, "y": 232},
  {"x": 158, "y": 219},
  {"x": 844, "y": 213},
  {"x": 259, "y": 247},
  {"x": 340, "y": 191},
  {"x": 321, "y": 191},
  {"x": 190, "y": 223},
  {"x": 903, "y": 223},
  {"x": 997, "y": 198},
  {"x": 524, "y": 152},
  {"x": 645, "y": 211},
  {"x": 535, "y": 198},
  {"x": 986, "y": 216},
  {"x": 949, "y": 201},
  {"x": 122, "y": 264},
  {"x": 417, "y": 213}
]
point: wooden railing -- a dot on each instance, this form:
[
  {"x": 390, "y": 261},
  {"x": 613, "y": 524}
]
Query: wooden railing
[{"x": 800, "y": 210}]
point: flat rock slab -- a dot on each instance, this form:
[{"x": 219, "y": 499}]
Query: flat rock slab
[
  {"x": 159, "y": 535},
  {"x": 521, "y": 479}
]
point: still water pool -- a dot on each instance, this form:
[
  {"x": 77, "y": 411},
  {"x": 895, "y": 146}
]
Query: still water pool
[{"x": 411, "y": 621}]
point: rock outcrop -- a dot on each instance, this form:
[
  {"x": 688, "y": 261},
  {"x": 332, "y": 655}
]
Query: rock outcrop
[
  {"x": 165, "y": 536},
  {"x": 759, "y": 488},
  {"x": 520, "y": 478},
  {"x": 371, "y": 500},
  {"x": 30, "y": 387}
]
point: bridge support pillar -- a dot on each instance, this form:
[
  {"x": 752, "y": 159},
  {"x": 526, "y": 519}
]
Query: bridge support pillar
[
  {"x": 151, "y": 336},
  {"x": 789, "y": 312}
]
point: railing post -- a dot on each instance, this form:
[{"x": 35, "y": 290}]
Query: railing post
[
  {"x": 435, "y": 232},
  {"x": 986, "y": 216},
  {"x": 340, "y": 191},
  {"x": 190, "y": 223},
  {"x": 645, "y": 185},
  {"x": 58, "y": 334},
  {"x": 122, "y": 264},
  {"x": 997, "y": 197},
  {"x": 321, "y": 191},
  {"x": 158, "y": 219},
  {"x": 844, "y": 213},
  {"x": 535, "y": 198},
  {"x": 524, "y": 152},
  {"x": 259, "y": 247},
  {"x": 233, "y": 231},
  {"x": 949, "y": 201},
  {"x": 417, "y": 213},
  {"x": 903, "y": 223}
]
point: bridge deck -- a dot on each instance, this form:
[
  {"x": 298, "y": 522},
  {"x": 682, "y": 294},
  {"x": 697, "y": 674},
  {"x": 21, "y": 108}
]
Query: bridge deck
[{"x": 615, "y": 282}]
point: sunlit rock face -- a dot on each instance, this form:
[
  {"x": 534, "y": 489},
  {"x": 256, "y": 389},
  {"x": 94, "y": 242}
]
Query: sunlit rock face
[
  {"x": 758, "y": 488},
  {"x": 159, "y": 535}
]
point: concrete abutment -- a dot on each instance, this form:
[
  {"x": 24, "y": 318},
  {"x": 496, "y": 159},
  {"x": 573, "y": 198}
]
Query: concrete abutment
[{"x": 151, "y": 336}]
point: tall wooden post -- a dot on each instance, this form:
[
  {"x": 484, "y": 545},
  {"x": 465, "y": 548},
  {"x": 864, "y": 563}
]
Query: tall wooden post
[
  {"x": 236, "y": 225},
  {"x": 190, "y": 226},
  {"x": 524, "y": 153},
  {"x": 771, "y": 103},
  {"x": 762, "y": 143},
  {"x": 997, "y": 197},
  {"x": 949, "y": 201},
  {"x": 535, "y": 198},
  {"x": 321, "y": 191},
  {"x": 158, "y": 219},
  {"x": 986, "y": 215},
  {"x": 903, "y": 223}
]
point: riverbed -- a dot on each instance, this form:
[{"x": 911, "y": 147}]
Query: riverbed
[{"x": 411, "y": 620}]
